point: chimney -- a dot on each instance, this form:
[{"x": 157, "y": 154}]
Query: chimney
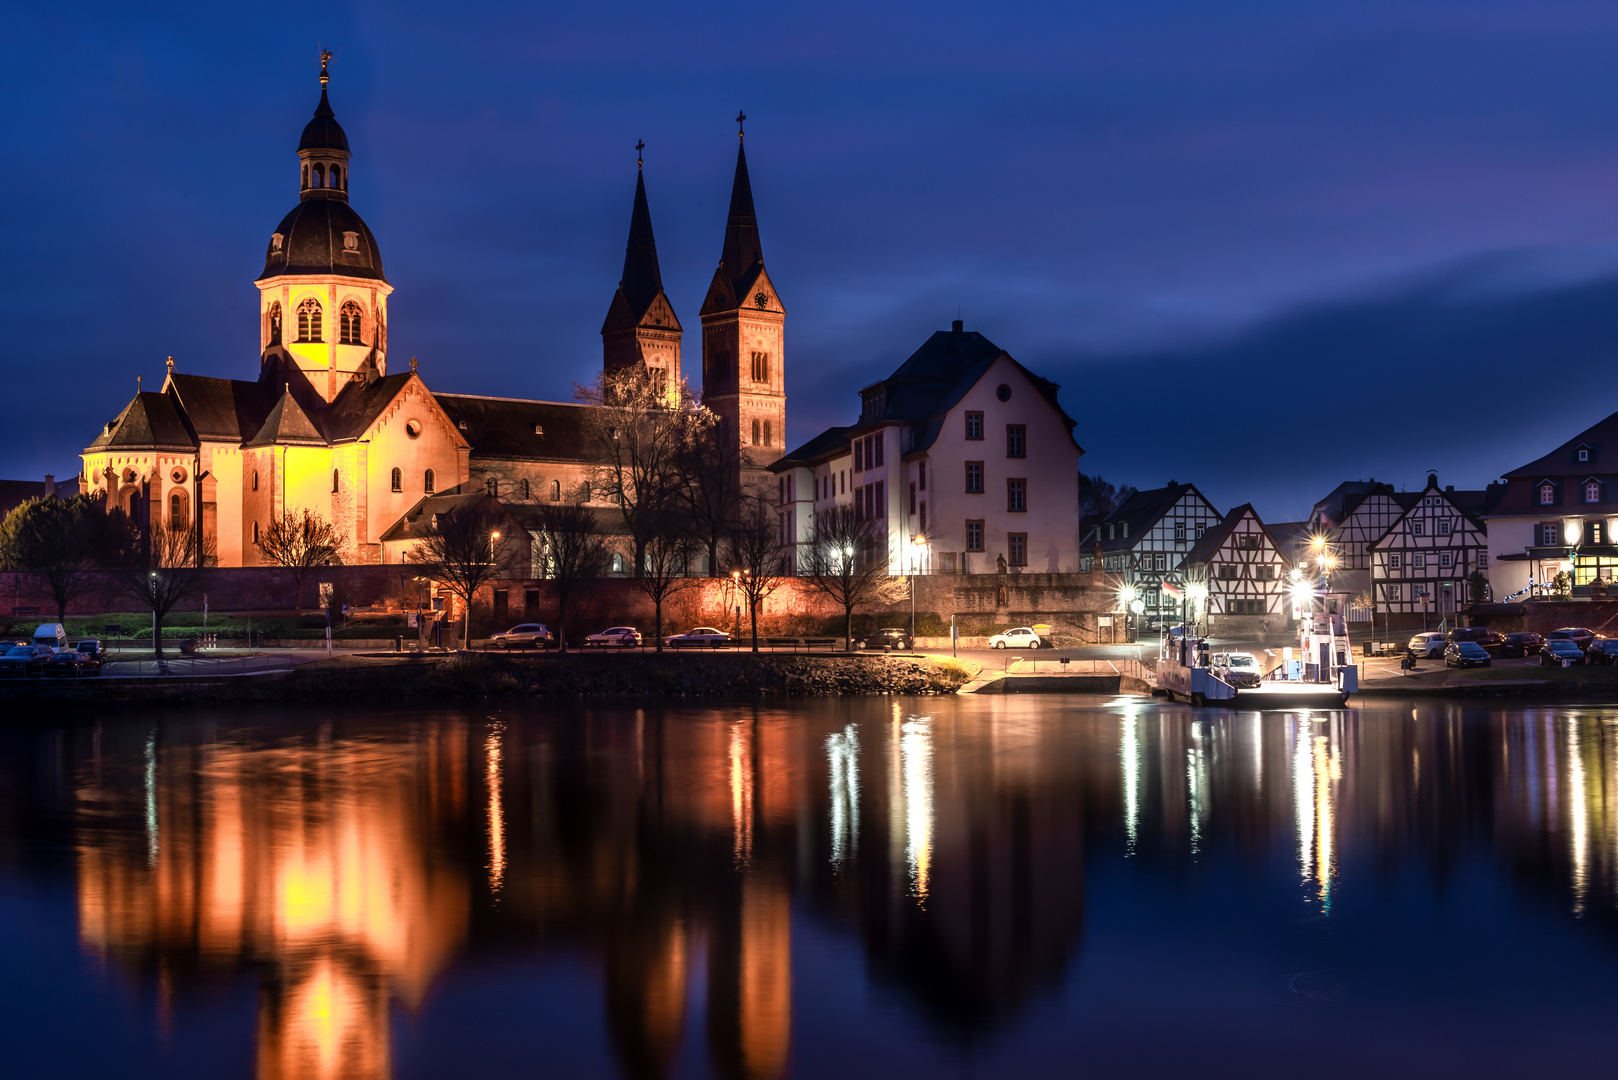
[
  {"x": 1450, "y": 488},
  {"x": 50, "y": 485},
  {"x": 958, "y": 326}
]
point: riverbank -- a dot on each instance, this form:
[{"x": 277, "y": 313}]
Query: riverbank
[{"x": 392, "y": 678}]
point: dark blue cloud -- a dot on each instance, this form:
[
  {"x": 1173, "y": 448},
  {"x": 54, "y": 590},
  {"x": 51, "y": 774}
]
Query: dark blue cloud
[{"x": 1118, "y": 194}]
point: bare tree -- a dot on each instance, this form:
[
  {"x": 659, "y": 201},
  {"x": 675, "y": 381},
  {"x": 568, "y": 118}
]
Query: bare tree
[
  {"x": 755, "y": 557},
  {"x": 465, "y": 549},
  {"x": 572, "y": 554},
  {"x": 665, "y": 571},
  {"x": 635, "y": 437},
  {"x": 58, "y": 539},
  {"x": 162, "y": 567},
  {"x": 1097, "y": 499},
  {"x": 848, "y": 562},
  {"x": 709, "y": 481},
  {"x": 300, "y": 542}
]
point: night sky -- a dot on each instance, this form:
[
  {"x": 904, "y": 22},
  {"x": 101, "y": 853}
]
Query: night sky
[{"x": 1264, "y": 247}]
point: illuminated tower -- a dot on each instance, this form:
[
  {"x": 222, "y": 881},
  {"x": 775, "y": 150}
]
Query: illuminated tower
[
  {"x": 322, "y": 296},
  {"x": 641, "y": 328},
  {"x": 743, "y": 337}
]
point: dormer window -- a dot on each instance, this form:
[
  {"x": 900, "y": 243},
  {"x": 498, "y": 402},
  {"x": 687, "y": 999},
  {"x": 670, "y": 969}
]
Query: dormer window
[
  {"x": 1584, "y": 453},
  {"x": 1592, "y": 491},
  {"x": 1547, "y": 494},
  {"x": 351, "y": 241},
  {"x": 276, "y": 240}
]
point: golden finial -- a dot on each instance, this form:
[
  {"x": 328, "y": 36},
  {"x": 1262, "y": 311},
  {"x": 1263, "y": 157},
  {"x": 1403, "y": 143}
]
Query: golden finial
[
  {"x": 325, "y": 61},
  {"x": 171, "y": 365},
  {"x": 412, "y": 365},
  {"x": 741, "y": 118}
]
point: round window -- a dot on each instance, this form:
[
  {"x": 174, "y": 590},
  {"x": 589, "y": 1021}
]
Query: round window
[
  {"x": 1003, "y": 392},
  {"x": 178, "y": 476},
  {"x": 413, "y": 428}
]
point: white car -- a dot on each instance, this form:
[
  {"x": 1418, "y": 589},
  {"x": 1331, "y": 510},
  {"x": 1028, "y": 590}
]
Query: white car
[
  {"x": 626, "y": 636},
  {"x": 1425, "y": 645},
  {"x": 1021, "y": 637},
  {"x": 524, "y": 636},
  {"x": 705, "y": 636}
]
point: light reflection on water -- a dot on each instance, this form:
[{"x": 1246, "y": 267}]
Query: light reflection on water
[{"x": 962, "y": 851}]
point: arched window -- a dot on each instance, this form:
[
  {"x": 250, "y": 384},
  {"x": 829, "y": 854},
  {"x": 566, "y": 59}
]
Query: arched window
[
  {"x": 348, "y": 324},
  {"x": 1547, "y": 494},
  {"x": 334, "y": 475},
  {"x": 255, "y": 479},
  {"x": 556, "y": 491},
  {"x": 427, "y": 482},
  {"x": 336, "y": 176},
  {"x": 755, "y": 432},
  {"x": 398, "y": 480},
  {"x": 306, "y": 177},
  {"x": 309, "y": 320},
  {"x": 492, "y": 486},
  {"x": 255, "y": 532},
  {"x": 320, "y": 175},
  {"x": 766, "y": 433},
  {"x": 178, "y": 509},
  {"x": 525, "y": 493},
  {"x": 275, "y": 324},
  {"x": 1592, "y": 491}
]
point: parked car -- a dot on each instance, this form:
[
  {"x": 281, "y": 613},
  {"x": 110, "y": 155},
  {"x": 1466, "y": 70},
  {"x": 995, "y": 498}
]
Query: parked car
[
  {"x": 621, "y": 636},
  {"x": 1021, "y": 637},
  {"x": 1425, "y": 645},
  {"x": 702, "y": 636},
  {"x": 73, "y": 663},
  {"x": 23, "y": 660},
  {"x": 1466, "y": 654},
  {"x": 1491, "y": 640},
  {"x": 887, "y": 639},
  {"x": 1238, "y": 669},
  {"x": 1602, "y": 650},
  {"x": 1560, "y": 651},
  {"x": 1524, "y": 644},
  {"x": 1576, "y": 634},
  {"x": 523, "y": 636}
]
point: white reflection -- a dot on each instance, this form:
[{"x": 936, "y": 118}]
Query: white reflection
[
  {"x": 843, "y": 768},
  {"x": 741, "y": 798},
  {"x": 1316, "y": 767},
  {"x": 494, "y": 780},
  {"x": 916, "y": 763},
  {"x": 1578, "y": 814},
  {"x": 1258, "y": 752},
  {"x": 1196, "y": 783},
  {"x": 1130, "y": 753},
  {"x": 151, "y": 802}
]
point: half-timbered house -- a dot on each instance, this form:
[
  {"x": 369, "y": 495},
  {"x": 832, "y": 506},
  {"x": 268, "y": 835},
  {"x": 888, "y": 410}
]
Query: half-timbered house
[
  {"x": 1143, "y": 542},
  {"x": 1354, "y": 516},
  {"x": 1240, "y": 567},
  {"x": 1420, "y": 566}
]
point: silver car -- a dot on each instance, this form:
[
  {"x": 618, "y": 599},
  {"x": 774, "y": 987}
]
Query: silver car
[
  {"x": 623, "y": 636},
  {"x": 703, "y": 636},
  {"x": 523, "y": 636},
  {"x": 1425, "y": 645}
]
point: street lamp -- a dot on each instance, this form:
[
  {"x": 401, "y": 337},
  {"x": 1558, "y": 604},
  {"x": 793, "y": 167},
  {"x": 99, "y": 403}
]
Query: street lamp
[
  {"x": 151, "y": 587},
  {"x": 1126, "y": 604}
]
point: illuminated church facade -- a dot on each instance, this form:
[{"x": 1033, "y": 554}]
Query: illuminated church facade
[{"x": 327, "y": 426}]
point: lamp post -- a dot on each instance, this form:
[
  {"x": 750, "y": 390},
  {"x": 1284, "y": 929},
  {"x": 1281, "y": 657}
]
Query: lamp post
[
  {"x": 1126, "y": 604},
  {"x": 151, "y": 588},
  {"x": 917, "y": 543}
]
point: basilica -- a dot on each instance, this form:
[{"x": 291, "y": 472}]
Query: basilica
[{"x": 327, "y": 427}]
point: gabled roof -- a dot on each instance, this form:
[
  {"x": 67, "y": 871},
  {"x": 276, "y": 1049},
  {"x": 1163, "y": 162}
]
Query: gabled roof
[
  {"x": 1204, "y": 549},
  {"x": 1432, "y": 488},
  {"x": 287, "y": 424},
  {"x": 1564, "y": 460},
  {"x": 151, "y": 421},
  {"x": 228, "y": 409},
  {"x": 1140, "y": 512},
  {"x": 516, "y": 428},
  {"x": 1290, "y": 536},
  {"x": 417, "y": 522},
  {"x": 833, "y": 442},
  {"x": 1341, "y": 502},
  {"x": 358, "y": 404}
]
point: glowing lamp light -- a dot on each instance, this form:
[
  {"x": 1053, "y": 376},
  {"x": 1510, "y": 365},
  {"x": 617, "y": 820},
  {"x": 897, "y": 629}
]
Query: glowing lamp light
[{"x": 1317, "y": 542}]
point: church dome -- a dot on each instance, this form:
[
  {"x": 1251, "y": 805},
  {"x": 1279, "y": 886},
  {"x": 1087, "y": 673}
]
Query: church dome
[
  {"x": 323, "y": 237},
  {"x": 323, "y": 132}
]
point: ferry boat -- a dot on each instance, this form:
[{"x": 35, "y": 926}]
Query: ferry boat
[{"x": 1322, "y": 675}]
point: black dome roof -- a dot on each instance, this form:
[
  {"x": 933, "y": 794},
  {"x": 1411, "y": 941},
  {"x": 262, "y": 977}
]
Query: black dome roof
[
  {"x": 312, "y": 242},
  {"x": 323, "y": 132}
]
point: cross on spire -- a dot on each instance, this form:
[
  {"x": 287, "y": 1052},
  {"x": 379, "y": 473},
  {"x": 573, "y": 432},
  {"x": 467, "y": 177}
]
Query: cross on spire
[
  {"x": 741, "y": 118},
  {"x": 640, "y": 144}
]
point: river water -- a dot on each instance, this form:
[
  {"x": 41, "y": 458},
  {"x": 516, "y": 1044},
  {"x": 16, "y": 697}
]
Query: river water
[{"x": 886, "y": 887}]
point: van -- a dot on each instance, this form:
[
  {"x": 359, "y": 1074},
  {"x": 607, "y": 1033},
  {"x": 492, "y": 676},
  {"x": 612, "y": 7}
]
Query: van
[{"x": 53, "y": 634}]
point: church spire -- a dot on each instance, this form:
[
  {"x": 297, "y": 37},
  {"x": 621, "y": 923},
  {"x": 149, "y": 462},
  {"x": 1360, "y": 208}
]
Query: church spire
[
  {"x": 642, "y": 279},
  {"x": 742, "y": 251}
]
